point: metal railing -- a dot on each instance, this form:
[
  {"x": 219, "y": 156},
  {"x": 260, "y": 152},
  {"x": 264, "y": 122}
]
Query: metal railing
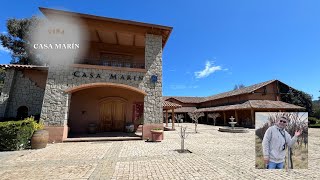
[{"x": 124, "y": 64}]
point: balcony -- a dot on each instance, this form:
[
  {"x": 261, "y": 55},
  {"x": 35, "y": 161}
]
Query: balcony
[
  {"x": 123, "y": 64},
  {"x": 112, "y": 65}
]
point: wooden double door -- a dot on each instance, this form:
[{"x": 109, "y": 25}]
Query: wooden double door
[{"x": 112, "y": 114}]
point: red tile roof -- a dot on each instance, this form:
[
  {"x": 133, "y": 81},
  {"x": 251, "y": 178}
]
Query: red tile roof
[
  {"x": 185, "y": 99},
  {"x": 170, "y": 105},
  {"x": 244, "y": 90},
  {"x": 254, "y": 104},
  {"x": 184, "y": 109}
]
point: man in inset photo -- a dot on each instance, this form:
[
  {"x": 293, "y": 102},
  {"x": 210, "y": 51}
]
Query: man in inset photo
[{"x": 275, "y": 141}]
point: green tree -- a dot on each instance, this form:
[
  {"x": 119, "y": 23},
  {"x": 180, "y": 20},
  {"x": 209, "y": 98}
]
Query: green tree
[
  {"x": 17, "y": 40},
  {"x": 297, "y": 97},
  {"x": 238, "y": 86},
  {"x": 316, "y": 109}
]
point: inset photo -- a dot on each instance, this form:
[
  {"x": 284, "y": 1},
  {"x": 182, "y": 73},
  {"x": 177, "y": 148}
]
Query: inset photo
[{"x": 281, "y": 140}]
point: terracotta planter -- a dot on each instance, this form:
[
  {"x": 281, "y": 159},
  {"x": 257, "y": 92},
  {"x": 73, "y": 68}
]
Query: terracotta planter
[
  {"x": 39, "y": 139},
  {"x": 157, "y": 135}
]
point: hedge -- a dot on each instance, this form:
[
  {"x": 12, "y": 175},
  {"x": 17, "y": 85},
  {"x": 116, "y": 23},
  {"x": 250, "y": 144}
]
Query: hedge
[
  {"x": 313, "y": 120},
  {"x": 16, "y": 135},
  {"x": 314, "y": 126}
]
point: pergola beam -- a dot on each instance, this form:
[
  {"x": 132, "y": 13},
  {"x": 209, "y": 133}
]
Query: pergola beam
[
  {"x": 166, "y": 117},
  {"x": 252, "y": 117},
  {"x": 173, "y": 119}
]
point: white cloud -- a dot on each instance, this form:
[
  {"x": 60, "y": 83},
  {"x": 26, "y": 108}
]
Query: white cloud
[
  {"x": 3, "y": 49},
  {"x": 209, "y": 69}
]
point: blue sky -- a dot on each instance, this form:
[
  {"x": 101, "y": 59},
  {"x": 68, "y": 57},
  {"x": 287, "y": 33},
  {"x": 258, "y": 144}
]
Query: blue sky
[{"x": 214, "y": 44}]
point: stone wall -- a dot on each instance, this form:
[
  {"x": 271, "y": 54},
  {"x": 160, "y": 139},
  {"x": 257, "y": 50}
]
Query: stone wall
[
  {"x": 153, "y": 112},
  {"x": 24, "y": 93},
  {"x": 6, "y": 90}
]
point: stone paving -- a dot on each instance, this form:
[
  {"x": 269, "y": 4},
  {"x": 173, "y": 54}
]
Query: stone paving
[{"x": 215, "y": 155}]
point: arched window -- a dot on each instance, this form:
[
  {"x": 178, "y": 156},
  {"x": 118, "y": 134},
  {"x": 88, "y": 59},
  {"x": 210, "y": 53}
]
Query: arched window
[{"x": 22, "y": 112}]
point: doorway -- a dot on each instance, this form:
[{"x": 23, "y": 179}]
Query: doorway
[{"x": 112, "y": 114}]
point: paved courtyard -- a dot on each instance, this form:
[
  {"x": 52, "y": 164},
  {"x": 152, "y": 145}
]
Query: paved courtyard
[{"x": 215, "y": 155}]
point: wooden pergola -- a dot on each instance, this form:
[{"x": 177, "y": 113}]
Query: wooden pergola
[{"x": 170, "y": 106}]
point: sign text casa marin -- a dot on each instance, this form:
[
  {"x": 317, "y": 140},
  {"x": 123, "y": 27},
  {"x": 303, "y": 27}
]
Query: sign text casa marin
[{"x": 110, "y": 76}]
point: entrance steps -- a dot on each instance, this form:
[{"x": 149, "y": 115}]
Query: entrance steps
[{"x": 106, "y": 136}]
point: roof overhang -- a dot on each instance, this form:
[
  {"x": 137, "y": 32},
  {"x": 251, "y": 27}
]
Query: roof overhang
[
  {"x": 20, "y": 66},
  {"x": 254, "y": 105},
  {"x": 113, "y": 30}
]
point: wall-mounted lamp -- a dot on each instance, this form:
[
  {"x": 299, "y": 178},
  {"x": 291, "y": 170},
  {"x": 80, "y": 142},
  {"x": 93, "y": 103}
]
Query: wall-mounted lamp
[{"x": 154, "y": 79}]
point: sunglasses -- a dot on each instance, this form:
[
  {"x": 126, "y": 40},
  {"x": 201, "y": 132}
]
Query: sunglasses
[{"x": 283, "y": 121}]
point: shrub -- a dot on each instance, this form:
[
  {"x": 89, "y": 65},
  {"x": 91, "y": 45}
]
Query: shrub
[
  {"x": 312, "y": 120},
  {"x": 15, "y": 135}
]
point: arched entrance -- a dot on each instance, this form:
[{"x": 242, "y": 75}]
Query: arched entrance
[{"x": 106, "y": 106}]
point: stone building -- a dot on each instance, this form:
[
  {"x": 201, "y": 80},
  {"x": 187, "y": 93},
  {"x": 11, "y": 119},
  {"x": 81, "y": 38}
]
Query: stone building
[{"x": 119, "y": 81}]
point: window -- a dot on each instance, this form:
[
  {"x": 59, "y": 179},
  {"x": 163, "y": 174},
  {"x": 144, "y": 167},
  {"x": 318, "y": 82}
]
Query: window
[{"x": 22, "y": 112}]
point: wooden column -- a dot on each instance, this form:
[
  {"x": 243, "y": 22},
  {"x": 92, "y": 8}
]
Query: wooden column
[
  {"x": 252, "y": 118},
  {"x": 166, "y": 117},
  {"x": 172, "y": 118},
  {"x": 207, "y": 118},
  {"x": 236, "y": 116},
  {"x": 185, "y": 117},
  {"x": 224, "y": 118}
]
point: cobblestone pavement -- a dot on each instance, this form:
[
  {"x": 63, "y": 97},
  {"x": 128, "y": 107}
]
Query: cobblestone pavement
[{"x": 215, "y": 155}]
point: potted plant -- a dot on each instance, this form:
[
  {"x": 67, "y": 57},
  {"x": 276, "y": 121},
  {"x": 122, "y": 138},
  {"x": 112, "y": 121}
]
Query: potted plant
[
  {"x": 40, "y": 136},
  {"x": 157, "y": 134}
]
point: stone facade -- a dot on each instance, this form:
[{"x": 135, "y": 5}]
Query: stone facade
[
  {"x": 20, "y": 91},
  {"x": 56, "y": 101},
  {"x": 153, "y": 60}
]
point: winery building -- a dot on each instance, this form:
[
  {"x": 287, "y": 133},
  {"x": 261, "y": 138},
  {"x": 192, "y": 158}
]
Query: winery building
[{"x": 119, "y": 82}]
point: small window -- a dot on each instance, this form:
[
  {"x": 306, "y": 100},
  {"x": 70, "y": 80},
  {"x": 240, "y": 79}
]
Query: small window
[
  {"x": 264, "y": 91},
  {"x": 22, "y": 112}
]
